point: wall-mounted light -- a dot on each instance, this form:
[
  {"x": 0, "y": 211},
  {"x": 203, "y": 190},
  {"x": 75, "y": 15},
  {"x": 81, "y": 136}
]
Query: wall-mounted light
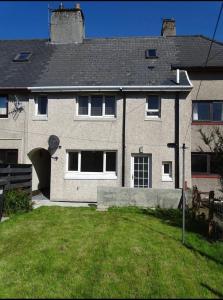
[
  {"x": 54, "y": 157},
  {"x": 141, "y": 149}
]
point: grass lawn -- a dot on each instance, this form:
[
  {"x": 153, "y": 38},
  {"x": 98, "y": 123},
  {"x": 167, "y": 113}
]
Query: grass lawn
[{"x": 55, "y": 252}]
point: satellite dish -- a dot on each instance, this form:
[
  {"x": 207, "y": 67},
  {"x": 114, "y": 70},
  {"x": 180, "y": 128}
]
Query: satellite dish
[{"x": 53, "y": 143}]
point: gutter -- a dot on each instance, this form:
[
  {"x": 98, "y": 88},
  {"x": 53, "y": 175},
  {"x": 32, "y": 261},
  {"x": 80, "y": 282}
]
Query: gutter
[
  {"x": 123, "y": 136},
  {"x": 141, "y": 88}
]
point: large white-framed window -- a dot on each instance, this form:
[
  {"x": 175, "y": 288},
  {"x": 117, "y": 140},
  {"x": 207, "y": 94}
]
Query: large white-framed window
[
  {"x": 41, "y": 106},
  {"x": 167, "y": 171},
  {"x": 153, "y": 107},
  {"x": 96, "y": 106},
  {"x": 91, "y": 164}
]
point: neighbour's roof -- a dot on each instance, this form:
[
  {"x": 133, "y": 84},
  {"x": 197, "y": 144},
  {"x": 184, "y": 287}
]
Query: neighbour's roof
[{"x": 105, "y": 61}]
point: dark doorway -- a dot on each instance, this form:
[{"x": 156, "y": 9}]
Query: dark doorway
[{"x": 41, "y": 161}]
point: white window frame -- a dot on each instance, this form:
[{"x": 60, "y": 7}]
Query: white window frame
[
  {"x": 153, "y": 110},
  {"x": 90, "y": 175},
  {"x": 89, "y": 107},
  {"x": 37, "y": 115},
  {"x": 169, "y": 176}
]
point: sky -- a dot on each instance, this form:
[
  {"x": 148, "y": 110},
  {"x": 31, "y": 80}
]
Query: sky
[{"x": 29, "y": 19}]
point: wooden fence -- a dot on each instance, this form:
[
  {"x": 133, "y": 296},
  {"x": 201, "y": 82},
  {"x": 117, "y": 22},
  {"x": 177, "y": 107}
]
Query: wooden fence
[{"x": 18, "y": 176}]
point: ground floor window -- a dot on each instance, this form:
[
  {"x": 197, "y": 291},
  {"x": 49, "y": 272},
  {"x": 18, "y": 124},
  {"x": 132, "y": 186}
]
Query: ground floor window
[
  {"x": 91, "y": 162},
  {"x": 8, "y": 156},
  {"x": 206, "y": 163},
  {"x": 167, "y": 171}
]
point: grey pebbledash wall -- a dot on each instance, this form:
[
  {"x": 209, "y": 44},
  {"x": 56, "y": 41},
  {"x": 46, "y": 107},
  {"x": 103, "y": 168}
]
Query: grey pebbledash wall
[{"x": 122, "y": 196}]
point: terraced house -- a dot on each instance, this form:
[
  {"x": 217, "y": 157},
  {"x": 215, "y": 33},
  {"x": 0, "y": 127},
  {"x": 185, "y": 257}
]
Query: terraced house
[{"x": 113, "y": 104}]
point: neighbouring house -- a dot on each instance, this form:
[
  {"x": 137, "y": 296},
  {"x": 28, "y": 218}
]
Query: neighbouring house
[{"x": 114, "y": 104}]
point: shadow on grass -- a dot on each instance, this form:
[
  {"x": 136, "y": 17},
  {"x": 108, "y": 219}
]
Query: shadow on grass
[
  {"x": 173, "y": 217},
  {"x": 215, "y": 292}
]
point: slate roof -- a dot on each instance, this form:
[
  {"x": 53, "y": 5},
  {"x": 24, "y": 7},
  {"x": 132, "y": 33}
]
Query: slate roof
[{"x": 104, "y": 61}]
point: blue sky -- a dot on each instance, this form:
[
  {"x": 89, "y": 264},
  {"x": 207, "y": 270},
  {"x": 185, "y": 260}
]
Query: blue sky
[{"x": 29, "y": 19}]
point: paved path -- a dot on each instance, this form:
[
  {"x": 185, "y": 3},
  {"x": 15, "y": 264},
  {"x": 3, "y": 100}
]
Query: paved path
[{"x": 40, "y": 200}]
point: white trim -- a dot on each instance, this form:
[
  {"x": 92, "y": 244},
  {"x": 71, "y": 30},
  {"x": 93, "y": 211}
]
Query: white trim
[
  {"x": 112, "y": 88},
  {"x": 90, "y": 175},
  {"x": 188, "y": 78},
  {"x": 178, "y": 76}
]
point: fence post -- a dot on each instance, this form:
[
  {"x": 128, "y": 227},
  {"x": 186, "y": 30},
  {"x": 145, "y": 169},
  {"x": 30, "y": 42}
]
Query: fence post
[{"x": 211, "y": 214}]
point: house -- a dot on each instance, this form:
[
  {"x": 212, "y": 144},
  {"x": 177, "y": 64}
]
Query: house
[{"x": 113, "y": 103}]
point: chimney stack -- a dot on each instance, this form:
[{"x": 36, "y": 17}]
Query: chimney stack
[
  {"x": 67, "y": 25},
  {"x": 168, "y": 27}
]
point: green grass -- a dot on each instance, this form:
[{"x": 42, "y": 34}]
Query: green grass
[{"x": 55, "y": 252}]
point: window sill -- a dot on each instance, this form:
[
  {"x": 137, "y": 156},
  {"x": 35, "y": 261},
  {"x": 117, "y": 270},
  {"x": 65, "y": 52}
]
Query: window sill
[
  {"x": 102, "y": 119},
  {"x": 40, "y": 118},
  {"x": 167, "y": 179},
  {"x": 4, "y": 118},
  {"x": 214, "y": 176},
  {"x": 90, "y": 175},
  {"x": 206, "y": 123},
  {"x": 152, "y": 119}
]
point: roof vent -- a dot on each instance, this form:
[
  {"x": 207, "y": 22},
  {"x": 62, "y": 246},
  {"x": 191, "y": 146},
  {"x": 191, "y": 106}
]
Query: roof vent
[
  {"x": 151, "y": 53},
  {"x": 22, "y": 56}
]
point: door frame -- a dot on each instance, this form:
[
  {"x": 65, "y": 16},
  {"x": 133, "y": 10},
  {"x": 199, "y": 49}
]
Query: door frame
[{"x": 149, "y": 168}]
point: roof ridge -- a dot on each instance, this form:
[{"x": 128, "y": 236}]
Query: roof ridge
[
  {"x": 23, "y": 40},
  {"x": 209, "y": 39}
]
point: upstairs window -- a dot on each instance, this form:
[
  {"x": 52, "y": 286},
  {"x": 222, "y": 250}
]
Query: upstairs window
[
  {"x": 153, "y": 106},
  {"x": 96, "y": 106},
  {"x": 41, "y": 106},
  {"x": 207, "y": 111},
  {"x": 22, "y": 56},
  {"x": 3, "y": 106}
]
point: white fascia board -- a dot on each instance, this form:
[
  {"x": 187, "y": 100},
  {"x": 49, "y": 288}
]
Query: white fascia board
[{"x": 110, "y": 88}]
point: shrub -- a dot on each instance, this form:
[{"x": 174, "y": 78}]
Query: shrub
[{"x": 16, "y": 201}]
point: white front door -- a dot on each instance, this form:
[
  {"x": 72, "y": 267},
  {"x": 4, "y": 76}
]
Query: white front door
[{"x": 140, "y": 171}]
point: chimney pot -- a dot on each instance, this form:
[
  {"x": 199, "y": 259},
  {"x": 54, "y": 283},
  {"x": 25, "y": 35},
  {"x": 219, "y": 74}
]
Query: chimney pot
[
  {"x": 168, "y": 27},
  {"x": 78, "y": 6}
]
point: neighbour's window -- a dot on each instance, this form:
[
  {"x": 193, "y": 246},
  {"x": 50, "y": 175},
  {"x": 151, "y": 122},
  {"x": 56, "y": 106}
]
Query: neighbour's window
[
  {"x": 3, "y": 106},
  {"x": 8, "y": 156},
  {"x": 41, "y": 106},
  {"x": 96, "y": 106},
  {"x": 167, "y": 171},
  {"x": 207, "y": 111},
  {"x": 153, "y": 106},
  {"x": 206, "y": 163},
  {"x": 91, "y": 161}
]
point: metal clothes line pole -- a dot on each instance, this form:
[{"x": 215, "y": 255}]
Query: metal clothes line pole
[{"x": 183, "y": 195}]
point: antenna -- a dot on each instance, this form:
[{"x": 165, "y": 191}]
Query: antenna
[{"x": 48, "y": 20}]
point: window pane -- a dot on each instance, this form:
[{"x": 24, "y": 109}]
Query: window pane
[
  {"x": 8, "y": 156},
  {"x": 91, "y": 161},
  {"x": 42, "y": 105},
  {"x": 73, "y": 161},
  {"x": 199, "y": 163},
  {"x": 153, "y": 102},
  {"x": 3, "y": 105},
  {"x": 110, "y": 105},
  {"x": 216, "y": 163},
  {"x": 217, "y": 111},
  {"x": 111, "y": 161},
  {"x": 96, "y": 106},
  {"x": 203, "y": 111},
  {"x": 83, "y": 105},
  {"x": 166, "y": 168}
]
